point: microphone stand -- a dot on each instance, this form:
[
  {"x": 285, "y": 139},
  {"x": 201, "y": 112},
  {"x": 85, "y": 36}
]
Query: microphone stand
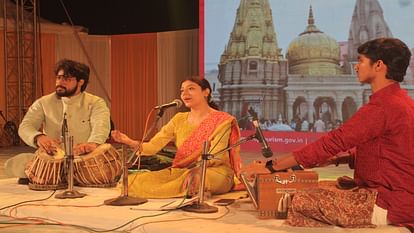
[
  {"x": 157, "y": 118},
  {"x": 124, "y": 199},
  {"x": 200, "y": 206},
  {"x": 68, "y": 144},
  {"x": 134, "y": 158}
]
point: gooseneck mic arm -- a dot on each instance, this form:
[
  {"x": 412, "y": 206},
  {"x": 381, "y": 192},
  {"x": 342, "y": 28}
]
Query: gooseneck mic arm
[
  {"x": 238, "y": 143},
  {"x": 266, "y": 150},
  {"x": 175, "y": 103},
  {"x": 68, "y": 164},
  {"x": 65, "y": 135}
]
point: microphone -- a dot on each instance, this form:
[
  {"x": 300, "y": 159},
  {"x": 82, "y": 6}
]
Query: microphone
[
  {"x": 65, "y": 103},
  {"x": 65, "y": 136},
  {"x": 175, "y": 102},
  {"x": 266, "y": 150},
  {"x": 64, "y": 122}
]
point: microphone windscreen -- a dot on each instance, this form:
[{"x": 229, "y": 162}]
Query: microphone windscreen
[
  {"x": 178, "y": 102},
  {"x": 267, "y": 152}
]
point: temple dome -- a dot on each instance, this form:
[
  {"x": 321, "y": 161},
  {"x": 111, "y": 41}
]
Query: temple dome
[{"x": 313, "y": 52}]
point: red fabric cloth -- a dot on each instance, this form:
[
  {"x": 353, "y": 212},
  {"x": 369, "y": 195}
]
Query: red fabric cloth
[{"x": 383, "y": 133}]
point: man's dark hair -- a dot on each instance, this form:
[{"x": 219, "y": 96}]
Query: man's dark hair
[
  {"x": 75, "y": 69},
  {"x": 392, "y": 52}
]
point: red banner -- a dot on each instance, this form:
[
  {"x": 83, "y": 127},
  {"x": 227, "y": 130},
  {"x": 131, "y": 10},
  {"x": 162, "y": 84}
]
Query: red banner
[{"x": 280, "y": 141}]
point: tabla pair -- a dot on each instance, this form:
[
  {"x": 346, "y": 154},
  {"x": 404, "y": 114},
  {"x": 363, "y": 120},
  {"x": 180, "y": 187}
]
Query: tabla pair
[{"x": 100, "y": 168}]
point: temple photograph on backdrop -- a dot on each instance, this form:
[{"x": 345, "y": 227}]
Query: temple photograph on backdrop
[
  {"x": 179, "y": 116},
  {"x": 292, "y": 62}
]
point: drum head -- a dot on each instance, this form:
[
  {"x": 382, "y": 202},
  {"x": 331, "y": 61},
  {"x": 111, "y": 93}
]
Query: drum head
[
  {"x": 58, "y": 155},
  {"x": 99, "y": 150}
]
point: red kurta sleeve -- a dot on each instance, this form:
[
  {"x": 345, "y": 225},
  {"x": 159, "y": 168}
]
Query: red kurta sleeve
[{"x": 367, "y": 123}]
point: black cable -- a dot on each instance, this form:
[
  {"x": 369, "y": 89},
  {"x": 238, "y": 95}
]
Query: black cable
[
  {"x": 59, "y": 225},
  {"x": 221, "y": 137},
  {"x": 89, "y": 229},
  {"x": 67, "y": 13},
  {"x": 225, "y": 133},
  {"x": 149, "y": 216},
  {"x": 183, "y": 219},
  {"x": 19, "y": 203},
  {"x": 91, "y": 64},
  {"x": 165, "y": 211},
  {"x": 39, "y": 57}
]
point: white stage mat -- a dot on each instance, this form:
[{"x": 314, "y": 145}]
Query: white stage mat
[{"x": 90, "y": 212}]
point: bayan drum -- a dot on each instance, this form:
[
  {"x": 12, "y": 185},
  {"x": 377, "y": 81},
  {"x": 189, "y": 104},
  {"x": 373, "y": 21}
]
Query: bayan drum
[
  {"x": 101, "y": 168},
  {"x": 45, "y": 172}
]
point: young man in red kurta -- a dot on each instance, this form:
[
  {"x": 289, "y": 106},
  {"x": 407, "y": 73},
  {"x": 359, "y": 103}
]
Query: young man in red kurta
[{"x": 382, "y": 131}]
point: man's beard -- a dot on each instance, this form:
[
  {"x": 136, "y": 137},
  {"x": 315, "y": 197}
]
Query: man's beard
[{"x": 65, "y": 92}]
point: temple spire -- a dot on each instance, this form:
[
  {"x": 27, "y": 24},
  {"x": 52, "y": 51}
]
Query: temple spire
[
  {"x": 311, "y": 28},
  {"x": 311, "y": 20},
  {"x": 253, "y": 33},
  {"x": 367, "y": 23}
]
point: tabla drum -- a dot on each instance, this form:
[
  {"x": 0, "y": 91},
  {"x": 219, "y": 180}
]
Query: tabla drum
[
  {"x": 46, "y": 172},
  {"x": 101, "y": 168}
]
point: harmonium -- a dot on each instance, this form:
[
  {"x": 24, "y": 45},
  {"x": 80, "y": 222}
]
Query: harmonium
[{"x": 272, "y": 194}]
